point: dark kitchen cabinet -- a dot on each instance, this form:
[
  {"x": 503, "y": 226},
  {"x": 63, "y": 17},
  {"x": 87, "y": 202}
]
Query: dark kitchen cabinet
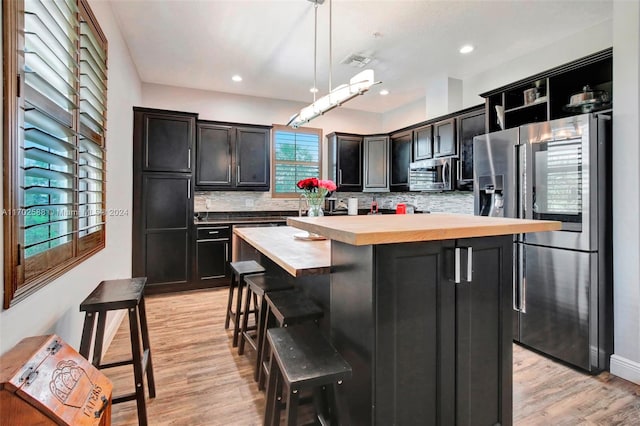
[
  {"x": 212, "y": 254},
  {"x": 376, "y": 164},
  {"x": 162, "y": 198},
  {"x": 232, "y": 157},
  {"x": 401, "y": 150},
  {"x": 547, "y": 95},
  {"x": 450, "y": 363},
  {"x": 167, "y": 212},
  {"x": 444, "y": 138},
  {"x": 469, "y": 125},
  {"x": 167, "y": 141},
  {"x": 214, "y": 153},
  {"x": 423, "y": 143},
  {"x": 345, "y": 161}
]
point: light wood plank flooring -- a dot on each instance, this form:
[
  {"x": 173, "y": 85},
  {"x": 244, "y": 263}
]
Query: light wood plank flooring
[{"x": 200, "y": 379}]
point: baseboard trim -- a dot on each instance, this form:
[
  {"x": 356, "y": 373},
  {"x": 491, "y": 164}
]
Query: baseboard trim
[
  {"x": 625, "y": 368},
  {"x": 114, "y": 319}
]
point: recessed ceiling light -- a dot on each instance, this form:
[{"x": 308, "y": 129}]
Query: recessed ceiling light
[
  {"x": 314, "y": 90},
  {"x": 384, "y": 92},
  {"x": 236, "y": 78},
  {"x": 467, "y": 48}
]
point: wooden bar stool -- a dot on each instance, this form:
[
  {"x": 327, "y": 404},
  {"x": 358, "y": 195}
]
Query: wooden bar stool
[
  {"x": 238, "y": 272},
  {"x": 303, "y": 359},
  {"x": 285, "y": 308},
  {"x": 110, "y": 296},
  {"x": 257, "y": 286}
]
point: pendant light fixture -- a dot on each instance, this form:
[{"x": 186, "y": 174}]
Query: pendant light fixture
[{"x": 359, "y": 83}]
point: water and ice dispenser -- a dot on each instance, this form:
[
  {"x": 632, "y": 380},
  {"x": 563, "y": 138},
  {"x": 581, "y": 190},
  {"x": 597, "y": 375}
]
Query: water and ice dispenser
[{"x": 491, "y": 196}]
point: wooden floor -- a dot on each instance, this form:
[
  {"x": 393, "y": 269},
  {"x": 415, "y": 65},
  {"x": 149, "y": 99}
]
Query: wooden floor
[{"x": 200, "y": 379}]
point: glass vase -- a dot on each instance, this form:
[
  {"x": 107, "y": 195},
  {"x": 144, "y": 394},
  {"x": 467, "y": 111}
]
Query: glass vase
[{"x": 315, "y": 210}]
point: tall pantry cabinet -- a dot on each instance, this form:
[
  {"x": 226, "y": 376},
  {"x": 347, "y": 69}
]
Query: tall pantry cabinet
[{"x": 163, "y": 158}]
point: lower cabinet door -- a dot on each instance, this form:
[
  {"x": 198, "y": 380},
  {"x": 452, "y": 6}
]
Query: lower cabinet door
[
  {"x": 484, "y": 334},
  {"x": 213, "y": 257},
  {"x": 167, "y": 256}
]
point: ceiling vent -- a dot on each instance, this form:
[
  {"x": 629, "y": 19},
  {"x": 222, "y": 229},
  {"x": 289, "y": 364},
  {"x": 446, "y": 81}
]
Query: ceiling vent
[{"x": 356, "y": 61}]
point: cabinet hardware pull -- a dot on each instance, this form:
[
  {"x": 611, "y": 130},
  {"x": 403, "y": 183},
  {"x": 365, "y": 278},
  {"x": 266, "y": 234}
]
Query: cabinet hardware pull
[
  {"x": 456, "y": 272},
  {"x": 189, "y": 189},
  {"x": 237, "y": 174},
  {"x": 523, "y": 289},
  {"x": 458, "y": 267},
  {"x": 229, "y": 174},
  {"x": 340, "y": 176},
  {"x": 226, "y": 252},
  {"x": 189, "y": 159},
  {"x": 213, "y": 232}
]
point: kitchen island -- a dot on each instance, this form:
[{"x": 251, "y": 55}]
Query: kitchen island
[{"x": 420, "y": 306}]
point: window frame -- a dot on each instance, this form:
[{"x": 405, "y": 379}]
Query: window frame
[
  {"x": 18, "y": 285},
  {"x": 274, "y": 162}
]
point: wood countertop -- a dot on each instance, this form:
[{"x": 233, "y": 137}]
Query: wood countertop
[
  {"x": 297, "y": 257},
  {"x": 386, "y": 229}
]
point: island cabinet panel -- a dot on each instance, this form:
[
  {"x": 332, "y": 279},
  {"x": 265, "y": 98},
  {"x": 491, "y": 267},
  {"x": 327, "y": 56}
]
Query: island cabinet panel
[
  {"x": 415, "y": 336},
  {"x": 423, "y": 346}
]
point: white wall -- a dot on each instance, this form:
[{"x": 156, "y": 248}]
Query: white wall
[
  {"x": 55, "y": 308},
  {"x": 220, "y": 106},
  {"x": 404, "y": 116},
  {"x": 581, "y": 44},
  {"x": 626, "y": 192}
]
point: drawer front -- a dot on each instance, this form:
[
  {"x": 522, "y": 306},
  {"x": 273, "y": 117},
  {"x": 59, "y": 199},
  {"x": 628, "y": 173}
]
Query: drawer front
[{"x": 213, "y": 232}]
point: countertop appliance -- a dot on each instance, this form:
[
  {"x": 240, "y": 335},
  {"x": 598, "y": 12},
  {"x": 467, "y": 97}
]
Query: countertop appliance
[
  {"x": 563, "y": 281},
  {"x": 432, "y": 175}
]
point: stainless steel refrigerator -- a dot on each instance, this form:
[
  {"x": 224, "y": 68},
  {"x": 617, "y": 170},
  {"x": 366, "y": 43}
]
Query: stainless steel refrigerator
[{"x": 563, "y": 285}]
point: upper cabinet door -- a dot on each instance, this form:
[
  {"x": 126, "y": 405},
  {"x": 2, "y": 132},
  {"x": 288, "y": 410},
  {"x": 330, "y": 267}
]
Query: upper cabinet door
[
  {"x": 469, "y": 126},
  {"x": 167, "y": 142},
  {"x": 423, "y": 143},
  {"x": 400, "y": 160},
  {"x": 252, "y": 158},
  {"x": 444, "y": 138},
  {"x": 349, "y": 163},
  {"x": 214, "y": 155},
  {"x": 376, "y": 164}
]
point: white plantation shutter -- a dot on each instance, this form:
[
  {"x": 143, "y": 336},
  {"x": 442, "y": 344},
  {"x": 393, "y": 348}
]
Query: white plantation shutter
[
  {"x": 54, "y": 196},
  {"x": 296, "y": 155}
]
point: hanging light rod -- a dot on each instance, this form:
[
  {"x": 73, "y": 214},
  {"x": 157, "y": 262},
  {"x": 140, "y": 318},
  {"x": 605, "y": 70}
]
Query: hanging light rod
[{"x": 358, "y": 85}]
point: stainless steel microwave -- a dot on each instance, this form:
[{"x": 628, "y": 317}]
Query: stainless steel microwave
[{"x": 432, "y": 175}]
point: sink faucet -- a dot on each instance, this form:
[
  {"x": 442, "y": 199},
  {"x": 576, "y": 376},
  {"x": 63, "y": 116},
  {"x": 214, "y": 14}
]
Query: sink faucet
[{"x": 300, "y": 198}]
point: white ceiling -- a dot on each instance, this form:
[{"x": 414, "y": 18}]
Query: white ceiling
[{"x": 201, "y": 44}]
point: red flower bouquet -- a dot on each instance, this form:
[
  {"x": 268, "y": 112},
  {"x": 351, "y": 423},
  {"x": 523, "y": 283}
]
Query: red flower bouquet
[{"x": 314, "y": 191}]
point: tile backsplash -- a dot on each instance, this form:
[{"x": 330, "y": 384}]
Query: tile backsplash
[{"x": 233, "y": 201}]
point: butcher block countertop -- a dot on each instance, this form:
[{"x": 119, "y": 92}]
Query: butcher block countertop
[
  {"x": 386, "y": 229},
  {"x": 297, "y": 257}
]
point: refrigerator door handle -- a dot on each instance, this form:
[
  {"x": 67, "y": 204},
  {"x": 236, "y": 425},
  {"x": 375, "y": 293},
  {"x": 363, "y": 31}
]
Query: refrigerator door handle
[{"x": 523, "y": 281}]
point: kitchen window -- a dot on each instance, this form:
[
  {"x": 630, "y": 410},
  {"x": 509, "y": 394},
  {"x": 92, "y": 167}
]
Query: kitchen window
[
  {"x": 296, "y": 155},
  {"x": 54, "y": 133}
]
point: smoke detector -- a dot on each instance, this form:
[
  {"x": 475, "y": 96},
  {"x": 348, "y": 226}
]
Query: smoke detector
[{"x": 356, "y": 60}]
